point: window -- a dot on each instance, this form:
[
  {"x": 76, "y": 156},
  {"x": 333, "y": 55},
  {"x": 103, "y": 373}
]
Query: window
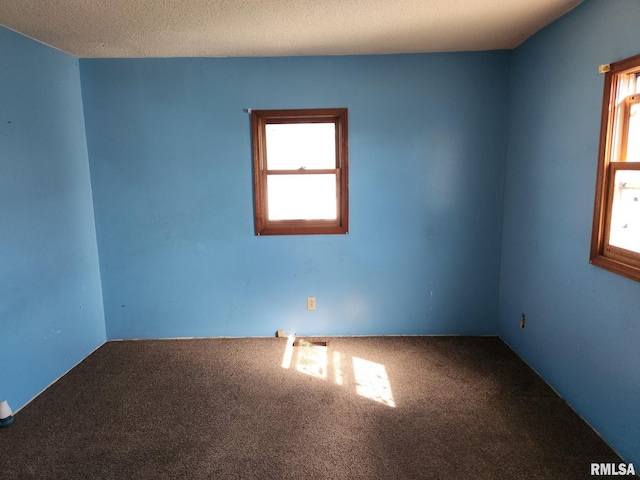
[
  {"x": 300, "y": 170},
  {"x": 615, "y": 241}
]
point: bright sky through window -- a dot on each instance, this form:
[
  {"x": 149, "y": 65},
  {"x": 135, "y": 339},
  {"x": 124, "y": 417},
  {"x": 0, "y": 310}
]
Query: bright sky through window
[
  {"x": 633, "y": 139},
  {"x": 292, "y": 146},
  {"x": 301, "y": 146},
  {"x": 296, "y": 197},
  {"x": 625, "y": 214}
]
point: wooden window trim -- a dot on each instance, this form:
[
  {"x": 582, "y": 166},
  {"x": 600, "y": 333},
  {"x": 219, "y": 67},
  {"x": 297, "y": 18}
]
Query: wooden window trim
[
  {"x": 617, "y": 260},
  {"x": 264, "y": 226}
]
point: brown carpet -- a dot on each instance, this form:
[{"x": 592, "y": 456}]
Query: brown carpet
[{"x": 359, "y": 408}]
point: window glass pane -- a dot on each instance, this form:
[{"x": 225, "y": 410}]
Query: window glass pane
[
  {"x": 291, "y": 146},
  {"x": 302, "y": 197},
  {"x": 625, "y": 214},
  {"x": 633, "y": 140}
]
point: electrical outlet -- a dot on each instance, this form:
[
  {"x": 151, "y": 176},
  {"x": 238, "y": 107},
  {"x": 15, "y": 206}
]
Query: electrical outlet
[
  {"x": 311, "y": 303},
  {"x": 522, "y": 320}
]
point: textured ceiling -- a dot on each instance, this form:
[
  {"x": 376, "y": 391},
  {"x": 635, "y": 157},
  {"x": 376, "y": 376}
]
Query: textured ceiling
[{"x": 224, "y": 28}]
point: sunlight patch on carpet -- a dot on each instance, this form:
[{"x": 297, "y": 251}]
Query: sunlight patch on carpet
[
  {"x": 288, "y": 352},
  {"x": 368, "y": 379},
  {"x": 372, "y": 381},
  {"x": 312, "y": 360},
  {"x": 338, "y": 376}
]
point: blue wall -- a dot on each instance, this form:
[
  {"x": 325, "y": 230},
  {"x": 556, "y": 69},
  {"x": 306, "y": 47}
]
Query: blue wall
[
  {"x": 583, "y": 323},
  {"x": 51, "y": 313},
  {"x": 169, "y": 146}
]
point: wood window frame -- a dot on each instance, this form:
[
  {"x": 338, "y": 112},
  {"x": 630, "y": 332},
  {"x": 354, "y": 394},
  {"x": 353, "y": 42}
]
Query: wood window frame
[
  {"x": 265, "y": 226},
  {"x": 611, "y": 158}
]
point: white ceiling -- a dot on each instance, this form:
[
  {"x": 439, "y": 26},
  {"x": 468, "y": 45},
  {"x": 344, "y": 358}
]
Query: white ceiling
[{"x": 225, "y": 28}]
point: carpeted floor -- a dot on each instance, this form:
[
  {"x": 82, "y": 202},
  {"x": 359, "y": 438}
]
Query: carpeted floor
[{"x": 359, "y": 408}]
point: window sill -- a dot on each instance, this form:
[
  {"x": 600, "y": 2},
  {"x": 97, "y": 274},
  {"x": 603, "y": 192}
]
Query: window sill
[
  {"x": 615, "y": 266},
  {"x": 298, "y": 229}
]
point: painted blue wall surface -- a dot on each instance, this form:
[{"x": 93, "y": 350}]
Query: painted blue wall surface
[
  {"x": 51, "y": 313},
  {"x": 170, "y": 152},
  {"x": 583, "y": 323}
]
